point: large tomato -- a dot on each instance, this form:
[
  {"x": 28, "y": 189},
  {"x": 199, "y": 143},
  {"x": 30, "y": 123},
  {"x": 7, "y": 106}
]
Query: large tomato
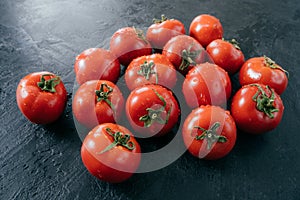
[
  {"x": 206, "y": 28},
  {"x": 111, "y": 153},
  {"x": 155, "y": 68},
  {"x": 96, "y": 64},
  {"x": 226, "y": 54},
  {"x": 97, "y": 102},
  {"x": 206, "y": 84},
  {"x": 265, "y": 71},
  {"x": 129, "y": 43},
  {"x": 184, "y": 52},
  {"x": 162, "y": 30},
  {"x": 209, "y": 132},
  {"x": 41, "y": 97},
  {"x": 152, "y": 110},
  {"x": 256, "y": 108}
]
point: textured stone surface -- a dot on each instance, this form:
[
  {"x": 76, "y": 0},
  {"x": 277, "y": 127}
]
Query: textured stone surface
[{"x": 43, "y": 162}]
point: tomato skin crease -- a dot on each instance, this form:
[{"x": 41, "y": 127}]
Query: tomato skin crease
[
  {"x": 115, "y": 165},
  {"x": 256, "y": 70},
  {"x": 246, "y": 115},
  {"x": 37, "y": 105},
  {"x": 206, "y": 117}
]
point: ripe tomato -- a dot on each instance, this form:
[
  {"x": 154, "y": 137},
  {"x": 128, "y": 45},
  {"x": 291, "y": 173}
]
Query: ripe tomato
[
  {"x": 152, "y": 110},
  {"x": 129, "y": 43},
  {"x": 97, "y": 102},
  {"x": 96, "y": 64},
  {"x": 265, "y": 71},
  {"x": 184, "y": 52},
  {"x": 155, "y": 68},
  {"x": 227, "y": 55},
  {"x": 206, "y": 84},
  {"x": 206, "y": 28},
  {"x": 41, "y": 97},
  {"x": 209, "y": 132},
  {"x": 111, "y": 153},
  {"x": 256, "y": 108},
  {"x": 161, "y": 31}
]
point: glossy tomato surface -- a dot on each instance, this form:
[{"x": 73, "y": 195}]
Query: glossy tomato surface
[
  {"x": 226, "y": 54},
  {"x": 206, "y": 28},
  {"x": 152, "y": 110},
  {"x": 206, "y": 84},
  {"x": 265, "y": 71},
  {"x": 111, "y": 153},
  {"x": 184, "y": 52},
  {"x": 209, "y": 132},
  {"x": 96, "y": 102},
  {"x": 256, "y": 108},
  {"x": 162, "y": 30},
  {"x": 41, "y": 97},
  {"x": 128, "y": 43},
  {"x": 155, "y": 69},
  {"x": 96, "y": 64}
]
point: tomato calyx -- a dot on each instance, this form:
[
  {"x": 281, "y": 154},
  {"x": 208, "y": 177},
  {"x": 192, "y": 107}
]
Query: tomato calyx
[
  {"x": 103, "y": 95},
  {"x": 188, "y": 58},
  {"x": 154, "y": 115},
  {"x": 140, "y": 34},
  {"x": 235, "y": 43},
  {"x": 272, "y": 64},
  {"x": 48, "y": 85},
  {"x": 146, "y": 70},
  {"x": 119, "y": 139},
  {"x": 162, "y": 19},
  {"x": 210, "y": 135},
  {"x": 264, "y": 103}
]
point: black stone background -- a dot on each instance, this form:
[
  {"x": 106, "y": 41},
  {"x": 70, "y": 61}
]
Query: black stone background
[{"x": 43, "y": 162}]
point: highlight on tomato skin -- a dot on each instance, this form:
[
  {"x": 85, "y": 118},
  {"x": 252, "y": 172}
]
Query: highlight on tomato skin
[
  {"x": 206, "y": 84},
  {"x": 265, "y": 71},
  {"x": 111, "y": 153},
  {"x": 96, "y": 64},
  {"x": 256, "y": 108},
  {"x": 41, "y": 97},
  {"x": 209, "y": 132}
]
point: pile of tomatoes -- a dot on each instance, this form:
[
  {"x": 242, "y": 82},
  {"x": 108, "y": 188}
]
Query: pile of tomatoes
[{"x": 154, "y": 63}]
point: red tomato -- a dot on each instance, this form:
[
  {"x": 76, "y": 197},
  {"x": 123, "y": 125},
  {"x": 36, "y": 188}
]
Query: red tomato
[
  {"x": 111, "y": 153},
  {"x": 209, "y": 132},
  {"x": 155, "y": 68},
  {"x": 206, "y": 84},
  {"x": 184, "y": 52},
  {"x": 159, "y": 33},
  {"x": 41, "y": 97},
  {"x": 265, "y": 71},
  {"x": 96, "y": 102},
  {"x": 152, "y": 110},
  {"x": 206, "y": 28},
  {"x": 227, "y": 55},
  {"x": 129, "y": 43},
  {"x": 96, "y": 64},
  {"x": 256, "y": 108}
]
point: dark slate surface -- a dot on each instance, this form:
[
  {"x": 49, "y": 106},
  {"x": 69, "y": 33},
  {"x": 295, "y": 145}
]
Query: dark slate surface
[{"x": 43, "y": 162}]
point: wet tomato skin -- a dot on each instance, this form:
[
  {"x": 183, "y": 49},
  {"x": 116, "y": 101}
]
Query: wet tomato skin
[
  {"x": 260, "y": 70},
  {"x": 37, "y": 105},
  {"x": 206, "y": 117},
  {"x": 115, "y": 165},
  {"x": 226, "y": 55},
  {"x": 248, "y": 117}
]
